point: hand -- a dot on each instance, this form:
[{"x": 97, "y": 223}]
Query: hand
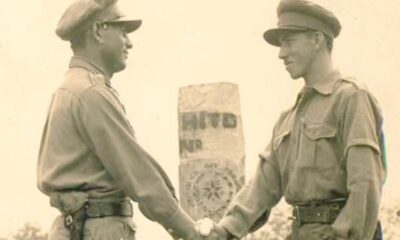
[
  {"x": 324, "y": 232},
  {"x": 210, "y": 231},
  {"x": 193, "y": 236}
]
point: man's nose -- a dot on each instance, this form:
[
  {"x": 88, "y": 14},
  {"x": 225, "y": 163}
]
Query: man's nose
[
  {"x": 128, "y": 43},
  {"x": 283, "y": 52}
]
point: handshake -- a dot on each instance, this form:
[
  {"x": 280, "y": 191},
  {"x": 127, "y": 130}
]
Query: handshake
[{"x": 206, "y": 229}]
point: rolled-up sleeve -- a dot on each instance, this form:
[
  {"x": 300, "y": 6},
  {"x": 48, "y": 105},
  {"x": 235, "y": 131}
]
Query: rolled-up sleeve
[
  {"x": 102, "y": 122},
  {"x": 360, "y": 131},
  {"x": 362, "y": 121},
  {"x": 254, "y": 201}
]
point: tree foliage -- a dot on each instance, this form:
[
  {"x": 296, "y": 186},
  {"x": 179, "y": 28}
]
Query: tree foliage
[
  {"x": 29, "y": 232},
  {"x": 277, "y": 228}
]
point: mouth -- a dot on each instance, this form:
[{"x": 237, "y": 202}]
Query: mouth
[
  {"x": 125, "y": 53},
  {"x": 287, "y": 63}
]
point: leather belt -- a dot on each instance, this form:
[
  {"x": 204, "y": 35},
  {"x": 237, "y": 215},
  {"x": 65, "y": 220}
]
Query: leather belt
[
  {"x": 96, "y": 209},
  {"x": 317, "y": 212},
  {"x": 76, "y": 207}
]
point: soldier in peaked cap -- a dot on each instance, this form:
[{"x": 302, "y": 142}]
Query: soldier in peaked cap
[
  {"x": 326, "y": 155},
  {"x": 90, "y": 164}
]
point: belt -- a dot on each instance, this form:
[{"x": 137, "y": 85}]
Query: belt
[
  {"x": 96, "y": 209},
  {"x": 317, "y": 212}
]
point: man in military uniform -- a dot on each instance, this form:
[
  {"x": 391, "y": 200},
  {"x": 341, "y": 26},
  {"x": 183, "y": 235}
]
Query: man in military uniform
[
  {"x": 90, "y": 164},
  {"x": 326, "y": 156}
]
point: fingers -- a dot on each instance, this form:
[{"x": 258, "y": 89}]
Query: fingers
[
  {"x": 204, "y": 226},
  {"x": 209, "y": 230},
  {"x": 220, "y": 233}
]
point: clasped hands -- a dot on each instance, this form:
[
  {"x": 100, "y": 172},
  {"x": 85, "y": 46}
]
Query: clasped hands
[{"x": 209, "y": 230}]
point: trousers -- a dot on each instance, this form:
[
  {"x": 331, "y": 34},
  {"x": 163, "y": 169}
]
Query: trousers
[{"x": 105, "y": 228}]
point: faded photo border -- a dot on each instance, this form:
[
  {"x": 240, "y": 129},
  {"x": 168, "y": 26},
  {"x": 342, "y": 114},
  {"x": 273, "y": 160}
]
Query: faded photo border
[{"x": 181, "y": 42}]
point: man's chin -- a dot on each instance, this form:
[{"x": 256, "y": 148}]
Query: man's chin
[
  {"x": 294, "y": 76},
  {"x": 119, "y": 67}
]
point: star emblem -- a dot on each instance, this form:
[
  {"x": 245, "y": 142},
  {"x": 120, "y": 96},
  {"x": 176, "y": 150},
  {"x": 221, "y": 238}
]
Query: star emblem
[{"x": 213, "y": 190}]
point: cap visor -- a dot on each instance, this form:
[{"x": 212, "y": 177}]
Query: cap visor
[
  {"x": 272, "y": 35},
  {"x": 130, "y": 25}
]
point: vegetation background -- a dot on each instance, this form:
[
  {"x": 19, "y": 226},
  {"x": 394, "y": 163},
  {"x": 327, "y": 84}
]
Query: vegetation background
[{"x": 277, "y": 228}]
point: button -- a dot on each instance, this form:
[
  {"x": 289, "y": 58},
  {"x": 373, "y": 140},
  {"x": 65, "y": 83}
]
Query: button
[{"x": 68, "y": 220}]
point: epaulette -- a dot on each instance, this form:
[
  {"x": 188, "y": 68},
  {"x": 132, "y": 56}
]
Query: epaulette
[
  {"x": 357, "y": 83},
  {"x": 96, "y": 79}
]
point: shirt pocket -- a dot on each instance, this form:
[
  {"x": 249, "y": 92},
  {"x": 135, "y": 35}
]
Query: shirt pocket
[{"x": 317, "y": 146}]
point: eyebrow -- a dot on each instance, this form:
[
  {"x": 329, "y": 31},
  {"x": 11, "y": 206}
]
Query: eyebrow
[
  {"x": 285, "y": 36},
  {"x": 291, "y": 33}
]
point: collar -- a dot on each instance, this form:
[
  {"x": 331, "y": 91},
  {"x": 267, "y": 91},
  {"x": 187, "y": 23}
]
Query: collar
[
  {"x": 326, "y": 84},
  {"x": 81, "y": 62}
]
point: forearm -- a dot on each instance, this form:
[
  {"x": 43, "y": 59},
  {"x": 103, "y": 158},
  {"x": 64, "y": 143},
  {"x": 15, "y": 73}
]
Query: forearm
[
  {"x": 141, "y": 179},
  {"x": 253, "y": 200},
  {"x": 359, "y": 217}
]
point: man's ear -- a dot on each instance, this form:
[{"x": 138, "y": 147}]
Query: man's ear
[
  {"x": 97, "y": 32},
  {"x": 319, "y": 39}
]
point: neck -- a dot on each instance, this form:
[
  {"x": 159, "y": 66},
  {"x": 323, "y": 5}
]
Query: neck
[
  {"x": 93, "y": 56},
  {"x": 321, "y": 66}
]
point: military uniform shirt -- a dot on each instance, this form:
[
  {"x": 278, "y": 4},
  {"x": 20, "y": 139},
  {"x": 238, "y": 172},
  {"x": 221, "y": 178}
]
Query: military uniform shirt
[
  {"x": 88, "y": 145},
  {"x": 327, "y": 146}
]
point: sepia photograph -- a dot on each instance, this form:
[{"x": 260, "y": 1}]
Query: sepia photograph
[{"x": 200, "y": 120}]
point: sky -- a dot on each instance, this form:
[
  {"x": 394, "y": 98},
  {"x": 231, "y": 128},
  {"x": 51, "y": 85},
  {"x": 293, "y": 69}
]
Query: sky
[{"x": 181, "y": 42}]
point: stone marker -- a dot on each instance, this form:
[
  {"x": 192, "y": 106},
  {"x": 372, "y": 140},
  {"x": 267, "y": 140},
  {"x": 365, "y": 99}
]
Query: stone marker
[{"x": 211, "y": 148}]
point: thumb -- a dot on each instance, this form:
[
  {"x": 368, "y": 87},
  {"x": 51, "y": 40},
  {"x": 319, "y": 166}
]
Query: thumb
[{"x": 204, "y": 227}]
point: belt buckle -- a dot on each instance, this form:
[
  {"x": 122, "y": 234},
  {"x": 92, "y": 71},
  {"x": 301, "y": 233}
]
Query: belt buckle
[
  {"x": 335, "y": 206},
  {"x": 68, "y": 220},
  {"x": 296, "y": 217}
]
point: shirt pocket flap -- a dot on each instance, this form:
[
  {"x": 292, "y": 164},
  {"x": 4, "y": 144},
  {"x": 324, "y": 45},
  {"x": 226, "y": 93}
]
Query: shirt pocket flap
[
  {"x": 279, "y": 138},
  {"x": 318, "y": 131}
]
